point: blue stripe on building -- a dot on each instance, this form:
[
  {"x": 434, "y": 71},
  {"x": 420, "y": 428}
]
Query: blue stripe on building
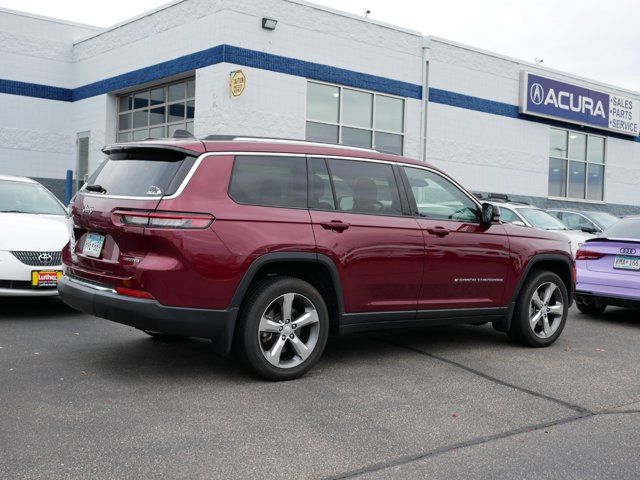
[
  {"x": 214, "y": 56},
  {"x": 279, "y": 64},
  {"x": 35, "y": 90}
]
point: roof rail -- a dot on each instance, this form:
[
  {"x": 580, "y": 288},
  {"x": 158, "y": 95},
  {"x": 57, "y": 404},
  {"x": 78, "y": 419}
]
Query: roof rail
[
  {"x": 499, "y": 197},
  {"x": 221, "y": 138},
  {"x": 182, "y": 134},
  {"x": 248, "y": 138}
]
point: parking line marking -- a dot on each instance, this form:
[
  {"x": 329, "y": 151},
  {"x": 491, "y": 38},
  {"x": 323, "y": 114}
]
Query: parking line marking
[
  {"x": 582, "y": 413},
  {"x": 469, "y": 443},
  {"x": 563, "y": 403}
]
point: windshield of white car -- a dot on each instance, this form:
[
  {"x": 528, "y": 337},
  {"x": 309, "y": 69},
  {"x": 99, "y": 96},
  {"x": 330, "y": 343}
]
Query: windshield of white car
[
  {"x": 26, "y": 197},
  {"x": 604, "y": 219},
  {"x": 541, "y": 219}
]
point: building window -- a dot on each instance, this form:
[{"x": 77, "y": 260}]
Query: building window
[
  {"x": 354, "y": 117},
  {"x": 157, "y": 112},
  {"x": 576, "y": 165}
]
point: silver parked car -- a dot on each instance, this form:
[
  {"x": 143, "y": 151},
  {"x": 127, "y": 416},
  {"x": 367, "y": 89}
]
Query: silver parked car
[
  {"x": 529, "y": 216},
  {"x": 589, "y": 221}
]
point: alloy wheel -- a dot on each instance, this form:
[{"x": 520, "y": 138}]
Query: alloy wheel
[
  {"x": 546, "y": 310},
  {"x": 288, "y": 331}
]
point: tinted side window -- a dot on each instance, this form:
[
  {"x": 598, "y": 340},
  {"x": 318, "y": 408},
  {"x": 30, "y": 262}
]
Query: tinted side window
[
  {"x": 365, "y": 187},
  {"x": 320, "y": 191},
  {"x": 437, "y": 197},
  {"x": 270, "y": 181}
]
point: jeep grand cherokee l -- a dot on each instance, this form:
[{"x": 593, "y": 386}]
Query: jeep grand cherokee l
[{"x": 269, "y": 246}]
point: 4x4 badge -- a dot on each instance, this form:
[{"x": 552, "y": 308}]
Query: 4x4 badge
[{"x": 87, "y": 209}]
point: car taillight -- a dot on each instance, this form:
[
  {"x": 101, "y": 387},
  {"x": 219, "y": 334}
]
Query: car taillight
[
  {"x": 154, "y": 219},
  {"x": 584, "y": 254},
  {"x": 130, "y": 292}
]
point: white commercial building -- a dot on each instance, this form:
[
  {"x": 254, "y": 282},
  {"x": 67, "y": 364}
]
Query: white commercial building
[{"x": 496, "y": 124}]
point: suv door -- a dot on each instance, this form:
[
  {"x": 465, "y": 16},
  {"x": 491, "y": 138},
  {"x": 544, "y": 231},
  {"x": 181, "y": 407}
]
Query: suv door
[
  {"x": 467, "y": 263},
  {"x": 359, "y": 222}
]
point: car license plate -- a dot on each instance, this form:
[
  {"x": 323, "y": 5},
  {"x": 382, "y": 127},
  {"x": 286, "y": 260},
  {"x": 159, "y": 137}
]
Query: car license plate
[
  {"x": 93, "y": 245},
  {"x": 625, "y": 262},
  {"x": 45, "y": 278}
]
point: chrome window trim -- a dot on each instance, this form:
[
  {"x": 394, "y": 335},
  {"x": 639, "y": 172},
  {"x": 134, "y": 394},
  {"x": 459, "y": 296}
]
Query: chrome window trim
[
  {"x": 205, "y": 155},
  {"x": 404, "y": 164}
]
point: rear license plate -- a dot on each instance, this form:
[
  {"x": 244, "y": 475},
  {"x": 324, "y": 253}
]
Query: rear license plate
[
  {"x": 45, "y": 278},
  {"x": 625, "y": 262},
  {"x": 93, "y": 245}
]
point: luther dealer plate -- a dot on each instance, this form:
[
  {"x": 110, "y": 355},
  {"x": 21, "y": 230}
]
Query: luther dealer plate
[{"x": 45, "y": 278}]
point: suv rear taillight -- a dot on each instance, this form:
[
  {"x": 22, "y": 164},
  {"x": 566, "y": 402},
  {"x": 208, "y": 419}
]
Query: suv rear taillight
[
  {"x": 155, "y": 219},
  {"x": 584, "y": 254}
]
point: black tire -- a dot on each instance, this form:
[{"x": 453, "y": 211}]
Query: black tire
[
  {"x": 520, "y": 330},
  {"x": 164, "y": 337},
  {"x": 593, "y": 308},
  {"x": 249, "y": 341}
]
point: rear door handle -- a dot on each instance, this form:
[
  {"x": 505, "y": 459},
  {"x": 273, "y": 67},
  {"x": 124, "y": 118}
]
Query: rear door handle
[
  {"x": 335, "y": 225},
  {"x": 439, "y": 231}
]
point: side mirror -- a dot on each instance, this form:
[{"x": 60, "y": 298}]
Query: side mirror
[
  {"x": 588, "y": 229},
  {"x": 520, "y": 223},
  {"x": 490, "y": 213}
]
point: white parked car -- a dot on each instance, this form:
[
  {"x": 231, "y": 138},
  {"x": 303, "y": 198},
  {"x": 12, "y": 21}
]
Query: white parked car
[
  {"x": 528, "y": 216},
  {"x": 33, "y": 232}
]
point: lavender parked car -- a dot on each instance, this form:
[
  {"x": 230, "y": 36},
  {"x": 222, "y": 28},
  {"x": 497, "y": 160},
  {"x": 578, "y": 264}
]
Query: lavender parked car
[{"x": 608, "y": 268}]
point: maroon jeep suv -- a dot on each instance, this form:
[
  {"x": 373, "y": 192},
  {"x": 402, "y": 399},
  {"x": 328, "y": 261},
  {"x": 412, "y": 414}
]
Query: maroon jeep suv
[{"x": 268, "y": 246}]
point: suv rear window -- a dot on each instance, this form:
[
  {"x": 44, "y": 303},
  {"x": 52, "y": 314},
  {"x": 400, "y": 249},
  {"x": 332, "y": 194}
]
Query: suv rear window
[
  {"x": 271, "y": 181},
  {"x": 143, "y": 172}
]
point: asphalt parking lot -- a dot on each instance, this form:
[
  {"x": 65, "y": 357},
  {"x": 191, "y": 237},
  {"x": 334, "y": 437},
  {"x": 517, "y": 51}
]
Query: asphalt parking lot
[{"x": 85, "y": 398}]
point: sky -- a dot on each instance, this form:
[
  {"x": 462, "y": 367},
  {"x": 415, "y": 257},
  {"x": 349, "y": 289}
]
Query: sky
[{"x": 591, "y": 38}]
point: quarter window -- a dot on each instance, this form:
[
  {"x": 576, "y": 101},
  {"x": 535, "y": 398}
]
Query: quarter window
[
  {"x": 576, "y": 165},
  {"x": 436, "y": 197},
  {"x": 157, "y": 112},
  {"x": 270, "y": 181},
  {"x": 354, "y": 117},
  {"x": 365, "y": 187}
]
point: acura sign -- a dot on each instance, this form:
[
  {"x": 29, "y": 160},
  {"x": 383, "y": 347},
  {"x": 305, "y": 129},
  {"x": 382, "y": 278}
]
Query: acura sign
[{"x": 546, "y": 97}]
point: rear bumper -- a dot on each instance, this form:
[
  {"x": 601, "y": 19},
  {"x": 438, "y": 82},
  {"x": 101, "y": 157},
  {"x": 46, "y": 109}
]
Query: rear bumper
[
  {"x": 145, "y": 314},
  {"x": 609, "y": 298}
]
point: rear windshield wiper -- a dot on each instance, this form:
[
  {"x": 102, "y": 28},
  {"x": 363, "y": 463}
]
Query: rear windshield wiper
[{"x": 96, "y": 188}]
